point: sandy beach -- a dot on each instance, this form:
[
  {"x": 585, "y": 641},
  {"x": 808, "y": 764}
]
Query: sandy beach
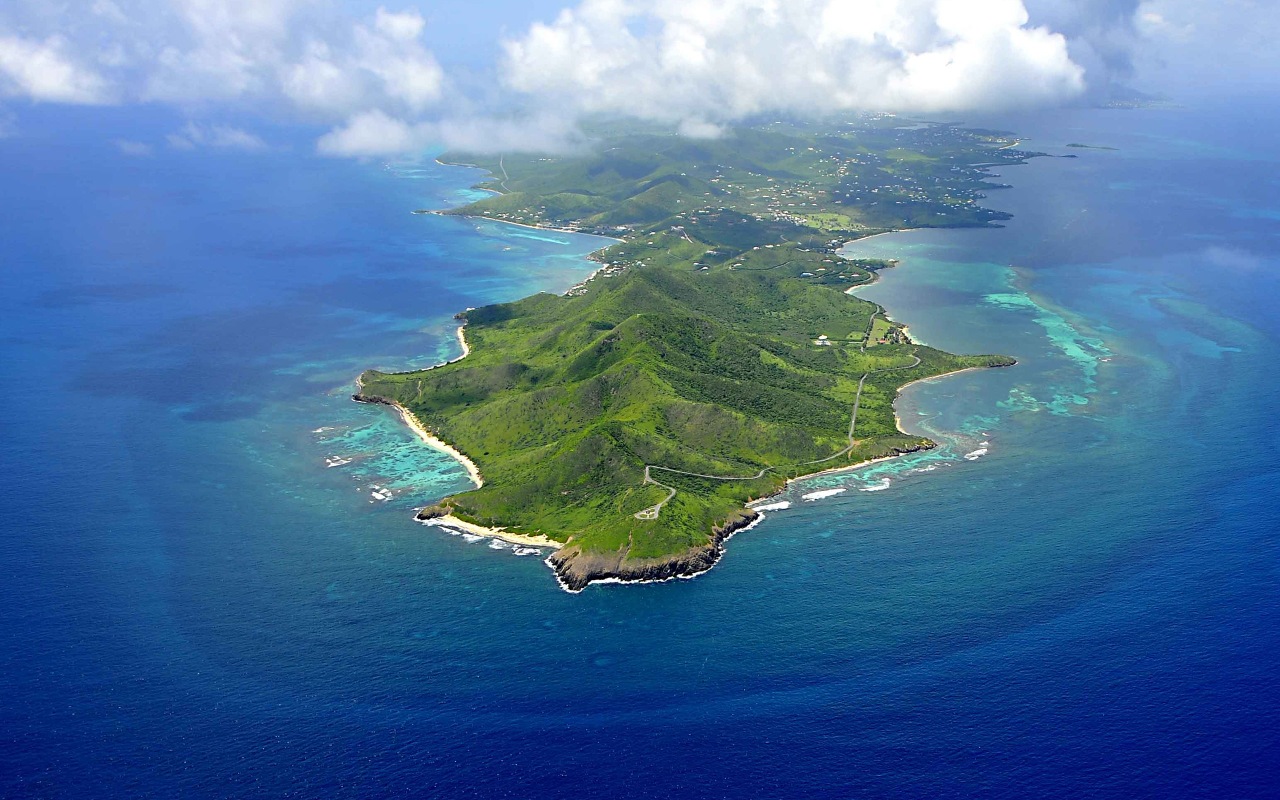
[
  {"x": 897, "y": 420},
  {"x": 862, "y": 239},
  {"x": 836, "y": 470},
  {"x": 527, "y": 225},
  {"x": 435, "y": 442},
  {"x": 415, "y": 425},
  {"x": 439, "y": 444},
  {"x": 450, "y": 521}
]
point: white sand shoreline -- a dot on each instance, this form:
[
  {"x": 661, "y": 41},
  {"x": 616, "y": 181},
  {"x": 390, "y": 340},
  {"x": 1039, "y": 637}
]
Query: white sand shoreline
[
  {"x": 897, "y": 422},
  {"x": 437, "y": 443},
  {"x": 530, "y": 227},
  {"x": 861, "y": 239},
  {"x": 473, "y": 472},
  {"x": 423, "y": 433},
  {"x": 450, "y": 521},
  {"x": 462, "y": 342}
]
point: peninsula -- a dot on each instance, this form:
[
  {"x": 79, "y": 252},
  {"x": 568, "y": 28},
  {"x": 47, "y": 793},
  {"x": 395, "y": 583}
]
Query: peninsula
[{"x": 716, "y": 353}]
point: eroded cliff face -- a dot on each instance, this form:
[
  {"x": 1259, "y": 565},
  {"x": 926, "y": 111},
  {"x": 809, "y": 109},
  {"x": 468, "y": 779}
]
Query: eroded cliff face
[{"x": 576, "y": 569}]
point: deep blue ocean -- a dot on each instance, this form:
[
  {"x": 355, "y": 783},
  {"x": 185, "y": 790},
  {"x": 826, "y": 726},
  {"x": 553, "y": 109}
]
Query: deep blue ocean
[{"x": 1076, "y": 596}]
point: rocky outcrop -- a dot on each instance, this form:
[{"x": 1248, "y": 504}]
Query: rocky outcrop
[
  {"x": 432, "y": 512},
  {"x": 576, "y": 569}
]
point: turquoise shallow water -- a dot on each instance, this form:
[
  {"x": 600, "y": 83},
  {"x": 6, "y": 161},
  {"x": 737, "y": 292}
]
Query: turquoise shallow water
[{"x": 195, "y": 604}]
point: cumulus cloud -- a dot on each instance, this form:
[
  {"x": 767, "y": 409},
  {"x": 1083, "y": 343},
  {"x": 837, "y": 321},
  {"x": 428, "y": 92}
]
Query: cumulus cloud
[
  {"x": 274, "y": 49},
  {"x": 44, "y": 70},
  {"x": 304, "y": 55},
  {"x": 374, "y": 133},
  {"x": 702, "y": 62},
  {"x": 1101, "y": 35},
  {"x": 312, "y": 60},
  {"x": 365, "y": 72}
]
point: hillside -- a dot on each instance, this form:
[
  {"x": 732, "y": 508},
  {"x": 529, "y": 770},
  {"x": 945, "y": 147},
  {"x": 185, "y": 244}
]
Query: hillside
[{"x": 717, "y": 356}]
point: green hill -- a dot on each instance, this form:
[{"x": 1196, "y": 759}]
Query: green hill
[{"x": 720, "y": 355}]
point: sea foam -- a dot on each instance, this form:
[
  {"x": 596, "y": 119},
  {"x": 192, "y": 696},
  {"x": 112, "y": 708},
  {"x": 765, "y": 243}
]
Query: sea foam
[
  {"x": 779, "y": 506},
  {"x": 822, "y": 494}
]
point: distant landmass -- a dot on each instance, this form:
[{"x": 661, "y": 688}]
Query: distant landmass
[{"x": 716, "y": 354}]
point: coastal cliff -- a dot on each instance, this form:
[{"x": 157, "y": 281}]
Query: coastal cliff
[{"x": 576, "y": 569}]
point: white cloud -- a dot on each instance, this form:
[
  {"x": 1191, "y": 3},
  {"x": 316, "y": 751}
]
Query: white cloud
[
  {"x": 131, "y": 148},
  {"x": 698, "y": 64},
  {"x": 391, "y": 52},
  {"x": 373, "y": 133},
  {"x": 309, "y": 56},
  {"x": 696, "y": 128},
  {"x": 1101, "y": 35},
  {"x": 45, "y": 71},
  {"x": 722, "y": 60},
  {"x": 316, "y": 83},
  {"x": 223, "y": 137},
  {"x": 264, "y": 50},
  {"x": 544, "y": 132}
]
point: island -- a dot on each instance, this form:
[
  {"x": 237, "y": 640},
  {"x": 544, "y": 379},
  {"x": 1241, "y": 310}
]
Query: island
[{"x": 716, "y": 354}]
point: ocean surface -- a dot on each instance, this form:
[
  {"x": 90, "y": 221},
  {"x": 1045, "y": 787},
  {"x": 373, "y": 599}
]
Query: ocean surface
[{"x": 1076, "y": 595}]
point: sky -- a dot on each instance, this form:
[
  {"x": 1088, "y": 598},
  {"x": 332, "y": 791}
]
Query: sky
[{"x": 371, "y": 79}]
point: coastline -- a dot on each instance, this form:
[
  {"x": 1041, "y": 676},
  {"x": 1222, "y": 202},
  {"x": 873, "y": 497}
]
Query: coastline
[
  {"x": 462, "y": 342},
  {"x": 849, "y": 468},
  {"x": 874, "y": 235},
  {"x": 591, "y": 256},
  {"x": 473, "y": 472},
  {"x": 437, "y": 443},
  {"x": 529, "y": 226},
  {"x": 576, "y": 569},
  {"x": 450, "y": 521},
  {"x": 897, "y": 422},
  {"x": 756, "y": 518},
  {"x": 574, "y": 577},
  {"x": 415, "y": 425},
  {"x": 430, "y": 439}
]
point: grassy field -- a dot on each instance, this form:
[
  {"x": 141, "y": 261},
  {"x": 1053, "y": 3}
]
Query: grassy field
[{"x": 721, "y": 342}]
